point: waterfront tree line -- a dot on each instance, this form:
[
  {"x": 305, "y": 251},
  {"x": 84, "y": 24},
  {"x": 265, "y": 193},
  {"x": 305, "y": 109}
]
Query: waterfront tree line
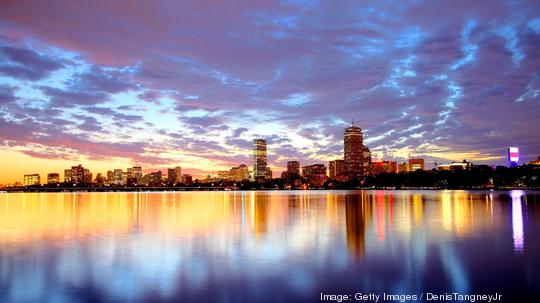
[{"x": 481, "y": 177}]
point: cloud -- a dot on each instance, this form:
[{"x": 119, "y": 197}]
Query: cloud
[
  {"x": 26, "y": 64},
  {"x": 198, "y": 78}
]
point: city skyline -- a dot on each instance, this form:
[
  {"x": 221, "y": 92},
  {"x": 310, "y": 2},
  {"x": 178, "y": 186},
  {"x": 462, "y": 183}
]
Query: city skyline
[{"x": 191, "y": 84}]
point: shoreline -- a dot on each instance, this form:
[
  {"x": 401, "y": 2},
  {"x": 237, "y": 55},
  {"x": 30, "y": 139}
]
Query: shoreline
[{"x": 223, "y": 189}]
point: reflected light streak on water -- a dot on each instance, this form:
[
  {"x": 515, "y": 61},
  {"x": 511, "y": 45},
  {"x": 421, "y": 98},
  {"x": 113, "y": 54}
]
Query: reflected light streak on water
[{"x": 517, "y": 220}]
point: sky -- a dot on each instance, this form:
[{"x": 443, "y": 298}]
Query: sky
[{"x": 111, "y": 84}]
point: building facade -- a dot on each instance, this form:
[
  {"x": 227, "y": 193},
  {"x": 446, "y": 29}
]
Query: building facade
[
  {"x": 353, "y": 152},
  {"x": 259, "y": 159},
  {"x": 336, "y": 168},
  {"x": 383, "y": 167},
  {"x": 32, "y": 179},
  {"x": 239, "y": 173},
  {"x": 53, "y": 178},
  {"x": 293, "y": 167},
  {"x": 416, "y": 164},
  {"x": 315, "y": 174}
]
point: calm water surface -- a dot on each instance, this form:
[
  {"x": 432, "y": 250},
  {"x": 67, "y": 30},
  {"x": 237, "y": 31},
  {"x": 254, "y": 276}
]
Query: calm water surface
[{"x": 267, "y": 246}]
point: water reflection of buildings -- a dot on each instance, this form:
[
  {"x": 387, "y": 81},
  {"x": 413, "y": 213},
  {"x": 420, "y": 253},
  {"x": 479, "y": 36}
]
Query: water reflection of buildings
[
  {"x": 517, "y": 220},
  {"x": 355, "y": 215},
  {"x": 259, "y": 207}
]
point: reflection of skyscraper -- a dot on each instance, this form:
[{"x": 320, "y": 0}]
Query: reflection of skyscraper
[
  {"x": 517, "y": 220},
  {"x": 260, "y": 214},
  {"x": 259, "y": 159},
  {"x": 355, "y": 215}
]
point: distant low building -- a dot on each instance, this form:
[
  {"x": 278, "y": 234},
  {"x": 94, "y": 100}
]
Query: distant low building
[
  {"x": 315, "y": 174},
  {"x": 537, "y": 162},
  {"x": 336, "y": 168},
  {"x": 455, "y": 166},
  {"x": 223, "y": 175},
  {"x": 32, "y": 179},
  {"x": 293, "y": 167},
  {"x": 383, "y": 167},
  {"x": 187, "y": 179},
  {"x": 152, "y": 179},
  {"x": 99, "y": 179},
  {"x": 53, "y": 178},
  {"x": 403, "y": 167},
  {"x": 239, "y": 173},
  {"x": 416, "y": 164}
]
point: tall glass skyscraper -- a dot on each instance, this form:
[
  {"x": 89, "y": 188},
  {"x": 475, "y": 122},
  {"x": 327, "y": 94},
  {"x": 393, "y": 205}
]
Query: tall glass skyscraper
[
  {"x": 259, "y": 158},
  {"x": 353, "y": 148}
]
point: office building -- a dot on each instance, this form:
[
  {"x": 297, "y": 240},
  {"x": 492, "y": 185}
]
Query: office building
[
  {"x": 513, "y": 156},
  {"x": 137, "y": 173},
  {"x": 87, "y": 176},
  {"x": 383, "y": 167},
  {"x": 118, "y": 177},
  {"x": 99, "y": 179},
  {"x": 178, "y": 172},
  {"x": 53, "y": 178},
  {"x": 187, "y": 179},
  {"x": 110, "y": 177},
  {"x": 293, "y": 167},
  {"x": 77, "y": 174},
  {"x": 67, "y": 175},
  {"x": 259, "y": 159},
  {"x": 366, "y": 159},
  {"x": 239, "y": 173},
  {"x": 336, "y": 168},
  {"x": 403, "y": 167},
  {"x": 172, "y": 177},
  {"x": 464, "y": 165},
  {"x": 224, "y": 174},
  {"x": 292, "y": 175},
  {"x": 356, "y": 156},
  {"x": 32, "y": 179},
  {"x": 315, "y": 174},
  {"x": 416, "y": 164}
]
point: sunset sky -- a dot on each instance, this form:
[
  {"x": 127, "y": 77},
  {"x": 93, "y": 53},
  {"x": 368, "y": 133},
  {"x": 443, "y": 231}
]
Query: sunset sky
[{"x": 110, "y": 84}]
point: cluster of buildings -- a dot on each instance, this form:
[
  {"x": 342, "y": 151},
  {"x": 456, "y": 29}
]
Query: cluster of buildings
[
  {"x": 355, "y": 164},
  {"x": 132, "y": 176}
]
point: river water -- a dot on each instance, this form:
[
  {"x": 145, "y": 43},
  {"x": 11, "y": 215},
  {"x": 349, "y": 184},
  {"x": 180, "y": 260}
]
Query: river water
[{"x": 268, "y": 246}]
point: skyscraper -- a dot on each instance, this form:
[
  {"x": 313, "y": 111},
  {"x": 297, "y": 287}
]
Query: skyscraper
[
  {"x": 513, "y": 156},
  {"x": 259, "y": 159},
  {"x": 353, "y": 148},
  {"x": 178, "y": 172}
]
